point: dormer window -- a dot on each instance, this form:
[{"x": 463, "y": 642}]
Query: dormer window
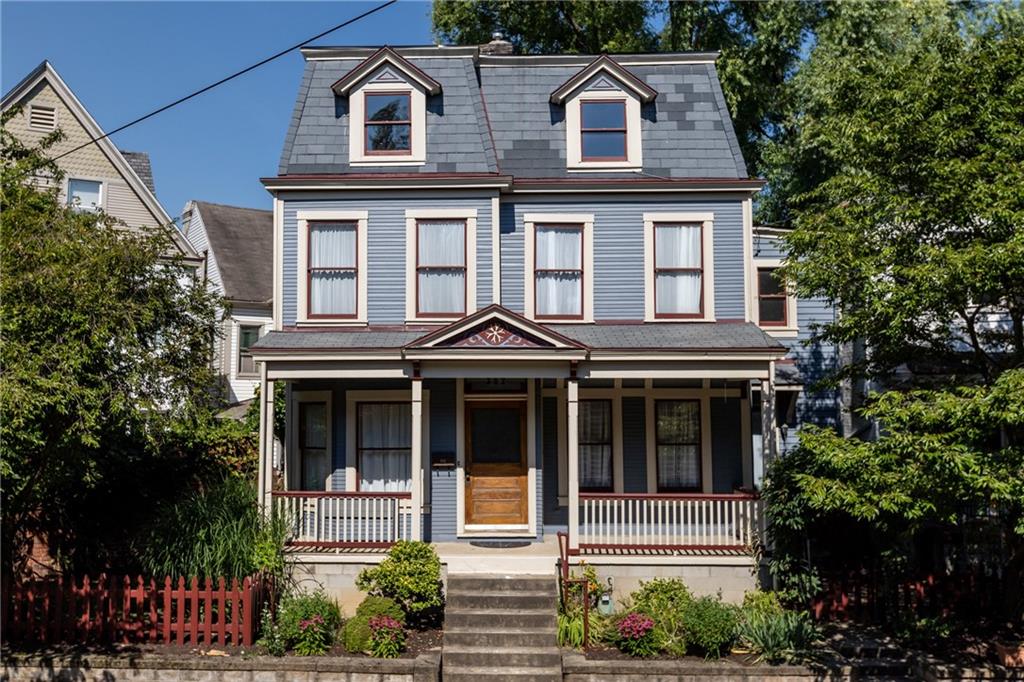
[
  {"x": 603, "y": 130},
  {"x": 388, "y": 123}
]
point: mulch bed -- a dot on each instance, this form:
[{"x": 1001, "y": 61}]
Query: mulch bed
[{"x": 603, "y": 652}]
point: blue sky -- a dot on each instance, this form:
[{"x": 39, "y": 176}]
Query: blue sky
[{"x": 124, "y": 59}]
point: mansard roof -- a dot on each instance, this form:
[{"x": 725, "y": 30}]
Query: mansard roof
[{"x": 495, "y": 114}]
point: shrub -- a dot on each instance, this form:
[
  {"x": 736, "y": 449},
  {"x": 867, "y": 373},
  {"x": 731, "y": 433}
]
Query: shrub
[
  {"x": 387, "y": 638},
  {"x": 637, "y": 636},
  {"x": 381, "y": 606},
  {"x": 761, "y": 602},
  {"x": 710, "y": 625},
  {"x": 270, "y": 635},
  {"x": 295, "y": 609},
  {"x": 570, "y": 629},
  {"x": 777, "y": 636},
  {"x": 411, "y": 575},
  {"x": 313, "y": 636},
  {"x": 356, "y": 635},
  {"x": 664, "y": 599}
]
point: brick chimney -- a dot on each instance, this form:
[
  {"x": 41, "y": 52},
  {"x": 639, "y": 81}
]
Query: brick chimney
[{"x": 497, "y": 46}]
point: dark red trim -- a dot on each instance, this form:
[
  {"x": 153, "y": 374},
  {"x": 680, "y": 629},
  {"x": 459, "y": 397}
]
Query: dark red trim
[
  {"x": 309, "y": 271},
  {"x": 669, "y": 496},
  {"x": 339, "y": 545},
  {"x": 401, "y": 62},
  {"x": 692, "y": 548},
  {"x": 464, "y": 267},
  {"x": 654, "y": 260},
  {"x": 470, "y": 320},
  {"x": 625, "y": 74},
  {"x": 624, "y": 130},
  {"x": 337, "y": 493},
  {"x": 368, "y": 122},
  {"x": 781, "y": 296},
  {"x": 583, "y": 295}
]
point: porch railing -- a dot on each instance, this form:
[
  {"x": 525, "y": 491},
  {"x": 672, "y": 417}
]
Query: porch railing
[
  {"x": 683, "y": 522},
  {"x": 344, "y": 519}
]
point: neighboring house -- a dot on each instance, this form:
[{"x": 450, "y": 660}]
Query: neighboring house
[
  {"x": 237, "y": 244},
  {"x": 517, "y": 296},
  {"x": 98, "y": 176}
]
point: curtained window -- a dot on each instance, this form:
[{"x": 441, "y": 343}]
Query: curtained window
[
  {"x": 441, "y": 268},
  {"x": 247, "y": 336},
  {"x": 603, "y": 130},
  {"x": 388, "y": 123},
  {"x": 313, "y": 454},
  {"x": 333, "y": 269},
  {"x": 677, "y": 438},
  {"x": 595, "y": 445},
  {"x": 384, "y": 444},
  {"x": 771, "y": 299},
  {"x": 678, "y": 270},
  {"x": 558, "y": 271}
]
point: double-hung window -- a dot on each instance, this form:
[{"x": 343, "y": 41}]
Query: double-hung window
[
  {"x": 388, "y": 123},
  {"x": 771, "y": 299},
  {"x": 333, "y": 270},
  {"x": 384, "y": 447},
  {"x": 677, "y": 439},
  {"x": 440, "y": 268},
  {"x": 85, "y": 195},
  {"x": 558, "y": 271},
  {"x": 313, "y": 453},
  {"x": 678, "y": 270},
  {"x": 603, "y": 130},
  {"x": 247, "y": 336},
  {"x": 595, "y": 445}
]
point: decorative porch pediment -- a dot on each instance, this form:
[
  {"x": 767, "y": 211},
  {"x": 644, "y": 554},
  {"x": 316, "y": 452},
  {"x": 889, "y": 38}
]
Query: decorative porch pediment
[{"x": 494, "y": 327}]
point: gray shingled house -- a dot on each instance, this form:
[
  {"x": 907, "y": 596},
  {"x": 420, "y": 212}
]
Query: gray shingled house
[{"x": 516, "y": 297}]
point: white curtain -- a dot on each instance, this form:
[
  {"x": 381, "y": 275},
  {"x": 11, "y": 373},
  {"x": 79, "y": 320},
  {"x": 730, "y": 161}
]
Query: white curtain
[
  {"x": 559, "y": 249},
  {"x": 442, "y": 253},
  {"x": 595, "y": 444},
  {"x": 385, "y": 442},
  {"x": 678, "y": 246},
  {"x": 332, "y": 245},
  {"x": 678, "y": 438}
]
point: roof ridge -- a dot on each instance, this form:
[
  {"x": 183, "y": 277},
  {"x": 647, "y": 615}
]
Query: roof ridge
[{"x": 242, "y": 208}]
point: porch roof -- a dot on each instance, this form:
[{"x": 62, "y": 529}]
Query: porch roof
[{"x": 695, "y": 336}]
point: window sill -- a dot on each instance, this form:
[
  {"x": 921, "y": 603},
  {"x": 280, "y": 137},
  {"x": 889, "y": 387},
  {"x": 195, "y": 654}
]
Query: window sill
[
  {"x": 434, "y": 320},
  {"x": 328, "y": 322},
  {"x": 781, "y": 332},
  {"x": 679, "y": 320},
  {"x": 603, "y": 166},
  {"x": 387, "y": 161}
]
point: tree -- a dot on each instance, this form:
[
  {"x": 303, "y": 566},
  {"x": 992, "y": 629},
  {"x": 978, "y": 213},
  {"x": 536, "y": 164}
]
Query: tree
[
  {"x": 760, "y": 42},
  {"x": 105, "y": 344}
]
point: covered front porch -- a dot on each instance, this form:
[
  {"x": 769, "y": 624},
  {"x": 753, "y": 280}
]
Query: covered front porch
[{"x": 468, "y": 443}]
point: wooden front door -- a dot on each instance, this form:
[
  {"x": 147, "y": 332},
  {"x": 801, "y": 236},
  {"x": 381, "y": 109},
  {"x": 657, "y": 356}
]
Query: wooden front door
[{"x": 496, "y": 463}]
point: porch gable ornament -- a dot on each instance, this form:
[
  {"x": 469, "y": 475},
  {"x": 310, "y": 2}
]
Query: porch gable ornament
[{"x": 496, "y": 335}]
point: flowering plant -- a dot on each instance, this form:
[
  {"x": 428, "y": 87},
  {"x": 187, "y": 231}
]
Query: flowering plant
[
  {"x": 636, "y": 635},
  {"x": 312, "y": 636},
  {"x": 387, "y": 638}
]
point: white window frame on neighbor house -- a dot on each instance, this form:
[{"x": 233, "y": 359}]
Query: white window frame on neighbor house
[
  {"x": 792, "y": 327},
  {"x": 706, "y": 220},
  {"x": 100, "y": 206},
  {"x": 352, "y": 400},
  {"x": 417, "y": 153},
  {"x": 304, "y": 218},
  {"x": 412, "y": 217},
  {"x": 530, "y": 222},
  {"x": 574, "y": 130},
  {"x": 293, "y": 472},
  {"x": 236, "y": 346}
]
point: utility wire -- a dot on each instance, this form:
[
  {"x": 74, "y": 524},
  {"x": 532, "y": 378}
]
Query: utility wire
[{"x": 231, "y": 77}]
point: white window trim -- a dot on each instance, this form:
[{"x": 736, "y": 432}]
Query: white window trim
[
  {"x": 411, "y": 216},
  {"x": 573, "y": 130},
  {"x": 103, "y": 190},
  {"x": 56, "y": 117},
  {"x": 530, "y": 221},
  {"x": 352, "y": 398},
  {"x": 306, "y": 217},
  {"x": 417, "y": 155},
  {"x": 792, "y": 328},
  {"x": 293, "y": 472},
  {"x": 236, "y": 342},
  {"x": 707, "y": 244}
]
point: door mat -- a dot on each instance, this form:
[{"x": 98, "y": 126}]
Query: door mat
[{"x": 500, "y": 544}]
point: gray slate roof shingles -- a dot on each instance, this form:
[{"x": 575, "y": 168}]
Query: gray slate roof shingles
[
  {"x": 139, "y": 161},
  {"x": 242, "y": 241},
  {"x": 687, "y": 131},
  {"x": 658, "y": 336}
]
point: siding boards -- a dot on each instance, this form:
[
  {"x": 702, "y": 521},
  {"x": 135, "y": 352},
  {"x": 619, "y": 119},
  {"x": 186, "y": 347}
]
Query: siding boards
[
  {"x": 555, "y": 518},
  {"x": 442, "y": 522},
  {"x": 386, "y": 249},
  {"x": 619, "y": 251}
]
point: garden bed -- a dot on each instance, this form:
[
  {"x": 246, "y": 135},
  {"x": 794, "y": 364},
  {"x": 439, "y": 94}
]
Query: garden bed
[{"x": 577, "y": 667}]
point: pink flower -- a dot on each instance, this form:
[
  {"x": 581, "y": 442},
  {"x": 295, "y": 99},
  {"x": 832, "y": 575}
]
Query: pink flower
[
  {"x": 384, "y": 622},
  {"x": 635, "y": 626}
]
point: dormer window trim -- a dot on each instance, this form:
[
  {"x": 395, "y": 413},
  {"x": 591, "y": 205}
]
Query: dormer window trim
[
  {"x": 585, "y": 129},
  {"x": 575, "y": 161},
  {"x": 367, "y": 122}
]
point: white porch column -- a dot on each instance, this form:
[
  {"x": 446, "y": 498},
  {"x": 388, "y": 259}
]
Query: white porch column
[
  {"x": 266, "y": 440},
  {"x": 417, "y": 458},
  {"x": 769, "y": 447},
  {"x": 573, "y": 437}
]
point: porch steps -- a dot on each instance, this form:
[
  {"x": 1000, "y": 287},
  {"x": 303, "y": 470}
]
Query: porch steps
[{"x": 500, "y": 627}]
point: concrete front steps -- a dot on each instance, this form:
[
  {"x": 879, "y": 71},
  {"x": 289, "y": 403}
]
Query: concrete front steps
[{"x": 499, "y": 627}]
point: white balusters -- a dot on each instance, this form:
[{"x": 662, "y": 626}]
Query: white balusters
[{"x": 344, "y": 519}]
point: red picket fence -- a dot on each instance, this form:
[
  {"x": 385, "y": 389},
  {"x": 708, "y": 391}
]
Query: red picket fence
[{"x": 128, "y": 610}]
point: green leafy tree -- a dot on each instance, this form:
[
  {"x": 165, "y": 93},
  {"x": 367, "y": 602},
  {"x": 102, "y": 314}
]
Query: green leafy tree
[{"x": 105, "y": 344}]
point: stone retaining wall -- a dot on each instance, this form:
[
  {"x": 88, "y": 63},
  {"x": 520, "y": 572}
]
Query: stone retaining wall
[
  {"x": 127, "y": 667},
  {"x": 576, "y": 668}
]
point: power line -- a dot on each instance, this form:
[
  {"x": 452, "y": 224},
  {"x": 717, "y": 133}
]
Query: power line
[{"x": 228, "y": 78}]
